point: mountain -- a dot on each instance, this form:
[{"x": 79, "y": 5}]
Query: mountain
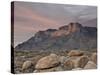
[{"x": 71, "y": 36}]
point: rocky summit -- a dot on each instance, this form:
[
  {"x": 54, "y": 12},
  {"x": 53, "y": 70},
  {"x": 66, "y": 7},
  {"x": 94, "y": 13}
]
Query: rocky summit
[{"x": 71, "y": 36}]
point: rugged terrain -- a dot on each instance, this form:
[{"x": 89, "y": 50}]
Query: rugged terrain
[
  {"x": 40, "y": 61},
  {"x": 71, "y": 36},
  {"x": 70, "y": 47}
]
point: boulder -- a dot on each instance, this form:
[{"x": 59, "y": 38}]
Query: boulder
[
  {"x": 80, "y": 62},
  {"x": 90, "y": 65},
  {"x": 48, "y": 62},
  {"x": 94, "y": 57},
  {"x": 26, "y": 65},
  {"x": 58, "y": 68},
  {"x": 68, "y": 65},
  {"x": 76, "y": 62},
  {"x": 75, "y": 53},
  {"x": 62, "y": 59}
]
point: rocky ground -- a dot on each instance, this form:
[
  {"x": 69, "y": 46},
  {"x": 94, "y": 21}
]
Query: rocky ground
[{"x": 45, "y": 61}]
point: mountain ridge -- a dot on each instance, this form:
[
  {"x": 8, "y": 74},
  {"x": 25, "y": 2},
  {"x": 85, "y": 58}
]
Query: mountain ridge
[{"x": 71, "y": 36}]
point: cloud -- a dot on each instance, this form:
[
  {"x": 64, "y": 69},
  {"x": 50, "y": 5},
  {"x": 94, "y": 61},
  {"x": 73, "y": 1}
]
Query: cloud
[{"x": 32, "y": 17}]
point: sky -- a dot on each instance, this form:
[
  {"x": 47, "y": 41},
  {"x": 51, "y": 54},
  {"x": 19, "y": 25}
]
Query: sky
[{"x": 30, "y": 18}]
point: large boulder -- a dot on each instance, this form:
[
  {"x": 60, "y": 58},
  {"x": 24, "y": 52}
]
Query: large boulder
[
  {"x": 76, "y": 62},
  {"x": 75, "y": 53},
  {"x": 26, "y": 65},
  {"x": 80, "y": 61},
  {"x": 68, "y": 65},
  {"x": 48, "y": 62},
  {"x": 90, "y": 65},
  {"x": 94, "y": 57},
  {"x": 58, "y": 68}
]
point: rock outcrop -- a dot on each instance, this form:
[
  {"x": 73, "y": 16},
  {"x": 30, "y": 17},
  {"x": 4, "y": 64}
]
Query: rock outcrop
[
  {"x": 47, "y": 62},
  {"x": 26, "y": 65},
  {"x": 90, "y": 65},
  {"x": 75, "y": 53},
  {"x": 94, "y": 57},
  {"x": 76, "y": 62},
  {"x": 58, "y": 68},
  {"x": 55, "y": 62}
]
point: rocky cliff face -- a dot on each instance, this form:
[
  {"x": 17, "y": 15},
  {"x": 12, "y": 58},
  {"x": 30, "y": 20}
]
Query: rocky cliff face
[
  {"x": 71, "y": 36},
  {"x": 68, "y": 29}
]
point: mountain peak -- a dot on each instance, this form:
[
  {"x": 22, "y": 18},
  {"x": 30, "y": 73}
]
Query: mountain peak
[
  {"x": 73, "y": 27},
  {"x": 70, "y": 36},
  {"x": 68, "y": 29},
  {"x": 76, "y": 24}
]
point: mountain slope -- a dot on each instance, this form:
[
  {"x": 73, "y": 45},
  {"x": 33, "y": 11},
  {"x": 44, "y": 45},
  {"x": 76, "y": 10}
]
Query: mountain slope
[{"x": 71, "y": 36}]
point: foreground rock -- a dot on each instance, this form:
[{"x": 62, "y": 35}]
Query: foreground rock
[
  {"x": 48, "y": 62},
  {"x": 75, "y": 53},
  {"x": 62, "y": 59},
  {"x": 26, "y": 65},
  {"x": 80, "y": 61},
  {"x": 58, "y": 68},
  {"x": 94, "y": 58},
  {"x": 52, "y": 62},
  {"x": 77, "y": 69},
  {"x": 76, "y": 62},
  {"x": 90, "y": 65},
  {"x": 68, "y": 65}
]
